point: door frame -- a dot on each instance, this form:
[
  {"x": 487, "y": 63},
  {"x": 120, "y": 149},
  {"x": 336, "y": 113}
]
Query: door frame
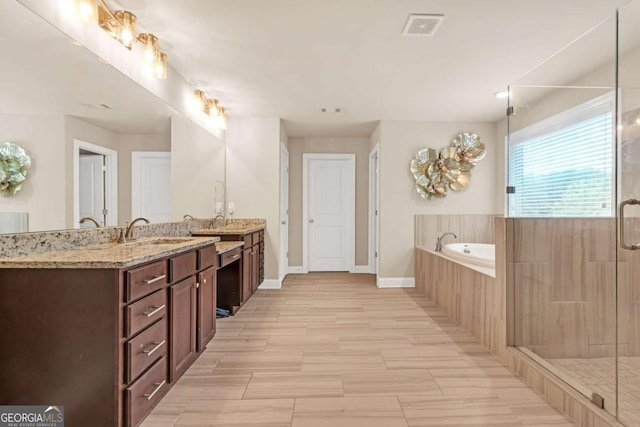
[
  {"x": 110, "y": 181},
  {"x": 351, "y": 229},
  {"x": 136, "y": 156},
  {"x": 284, "y": 216},
  {"x": 374, "y": 208}
]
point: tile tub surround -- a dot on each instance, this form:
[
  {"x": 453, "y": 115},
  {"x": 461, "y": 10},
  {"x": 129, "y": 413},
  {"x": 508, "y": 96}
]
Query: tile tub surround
[
  {"x": 468, "y": 228},
  {"x": 14, "y": 245},
  {"x": 492, "y": 313},
  {"x": 108, "y": 255}
]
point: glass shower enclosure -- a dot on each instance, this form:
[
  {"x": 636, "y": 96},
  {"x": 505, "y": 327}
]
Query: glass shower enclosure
[{"x": 573, "y": 181}]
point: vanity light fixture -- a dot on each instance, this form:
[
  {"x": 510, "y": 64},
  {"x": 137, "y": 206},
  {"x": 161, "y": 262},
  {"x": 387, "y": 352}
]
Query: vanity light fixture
[
  {"x": 150, "y": 43},
  {"x": 85, "y": 9},
  {"x": 160, "y": 65},
  {"x": 212, "y": 108},
  {"x": 222, "y": 118}
]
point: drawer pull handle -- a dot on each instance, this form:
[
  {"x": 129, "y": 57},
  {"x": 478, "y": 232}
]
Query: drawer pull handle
[
  {"x": 149, "y": 396},
  {"x": 236, "y": 256},
  {"x": 151, "y": 311},
  {"x": 155, "y": 279},
  {"x": 153, "y": 350}
]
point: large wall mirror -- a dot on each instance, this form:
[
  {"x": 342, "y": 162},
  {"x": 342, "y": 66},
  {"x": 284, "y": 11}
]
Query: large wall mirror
[{"x": 100, "y": 144}]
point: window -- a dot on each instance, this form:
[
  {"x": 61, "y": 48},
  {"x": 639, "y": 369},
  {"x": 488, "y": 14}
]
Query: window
[{"x": 562, "y": 166}]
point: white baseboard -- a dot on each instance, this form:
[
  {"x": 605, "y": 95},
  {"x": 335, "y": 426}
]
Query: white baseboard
[
  {"x": 295, "y": 269},
  {"x": 270, "y": 284},
  {"x": 360, "y": 269},
  {"x": 396, "y": 282}
]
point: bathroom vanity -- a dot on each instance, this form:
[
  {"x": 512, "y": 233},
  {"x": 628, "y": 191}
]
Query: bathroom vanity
[{"x": 105, "y": 330}]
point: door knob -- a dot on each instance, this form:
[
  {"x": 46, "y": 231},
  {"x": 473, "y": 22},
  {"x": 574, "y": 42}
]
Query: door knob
[{"x": 311, "y": 221}]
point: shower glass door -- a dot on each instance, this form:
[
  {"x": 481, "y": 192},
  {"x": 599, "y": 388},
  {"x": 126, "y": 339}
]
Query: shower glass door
[
  {"x": 562, "y": 196},
  {"x": 629, "y": 214}
]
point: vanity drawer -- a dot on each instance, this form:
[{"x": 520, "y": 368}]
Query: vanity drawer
[
  {"x": 143, "y": 280},
  {"x": 207, "y": 257},
  {"x": 182, "y": 266},
  {"x": 145, "y": 349},
  {"x": 141, "y": 314},
  {"x": 231, "y": 256},
  {"x": 144, "y": 394}
]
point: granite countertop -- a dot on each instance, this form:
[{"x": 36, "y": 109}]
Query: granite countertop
[
  {"x": 223, "y": 247},
  {"x": 109, "y": 255},
  {"x": 240, "y": 226}
]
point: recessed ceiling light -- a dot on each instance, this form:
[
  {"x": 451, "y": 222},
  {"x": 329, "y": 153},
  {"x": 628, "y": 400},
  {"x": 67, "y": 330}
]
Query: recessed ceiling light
[{"x": 502, "y": 94}]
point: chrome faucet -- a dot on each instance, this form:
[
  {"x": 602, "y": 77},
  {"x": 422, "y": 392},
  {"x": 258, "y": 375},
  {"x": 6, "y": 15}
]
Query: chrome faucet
[
  {"x": 439, "y": 240},
  {"x": 213, "y": 223},
  {"x": 128, "y": 235},
  {"x": 90, "y": 219}
]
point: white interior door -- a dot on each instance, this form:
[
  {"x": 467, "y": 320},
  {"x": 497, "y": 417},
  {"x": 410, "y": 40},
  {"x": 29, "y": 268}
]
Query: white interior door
[
  {"x": 151, "y": 185},
  {"x": 284, "y": 210},
  {"x": 331, "y": 212},
  {"x": 91, "y": 188}
]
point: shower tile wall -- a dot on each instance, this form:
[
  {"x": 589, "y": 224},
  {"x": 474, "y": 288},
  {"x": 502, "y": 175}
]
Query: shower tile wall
[
  {"x": 565, "y": 294},
  {"x": 468, "y": 228}
]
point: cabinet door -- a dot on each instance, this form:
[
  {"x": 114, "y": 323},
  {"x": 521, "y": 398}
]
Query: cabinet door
[
  {"x": 246, "y": 274},
  {"x": 206, "y": 307},
  {"x": 183, "y": 326},
  {"x": 255, "y": 267}
]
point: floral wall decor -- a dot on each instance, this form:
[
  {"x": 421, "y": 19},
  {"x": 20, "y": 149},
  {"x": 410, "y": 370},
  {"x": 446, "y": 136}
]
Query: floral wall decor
[
  {"x": 14, "y": 163},
  {"x": 450, "y": 168}
]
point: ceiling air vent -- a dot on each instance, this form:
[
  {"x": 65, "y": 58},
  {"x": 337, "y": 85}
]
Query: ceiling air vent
[{"x": 422, "y": 25}]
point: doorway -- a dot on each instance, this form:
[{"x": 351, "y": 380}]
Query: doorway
[
  {"x": 373, "y": 210},
  {"x": 328, "y": 216},
  {"x": 95, "y": 184},
  {"x": 284, "y": 211}
]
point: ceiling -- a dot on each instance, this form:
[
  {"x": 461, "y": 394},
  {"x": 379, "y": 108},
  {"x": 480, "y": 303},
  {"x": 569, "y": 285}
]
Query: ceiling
[{"x": 291, "y": 58}]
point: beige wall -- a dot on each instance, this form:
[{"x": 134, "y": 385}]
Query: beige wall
[
  {"x": 253, "y": 178},
  {"x": 399, "y": 201},
  {"x": 337, "y": 145},
  {"x": 44, "y": 192},
  {"x": 197, "y": 162}
]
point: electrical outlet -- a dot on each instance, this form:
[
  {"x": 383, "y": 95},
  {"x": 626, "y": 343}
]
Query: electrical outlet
[
  {"x": 231, "y": 207},
  {"x": 219, "y": 207}
]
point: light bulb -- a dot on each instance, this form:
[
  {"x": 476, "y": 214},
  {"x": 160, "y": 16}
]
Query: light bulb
[
  {"x": 127, "y": 27},
  {"x": 160, "y": 65},
  {"x": 85, "y": 10},
  {"x": 150, "y": 47}
]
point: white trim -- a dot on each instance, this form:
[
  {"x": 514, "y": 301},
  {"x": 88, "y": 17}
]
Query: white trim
[
  {"x": 110, "y": 182},
  {"x": 374, "y": 205},
  {"x": 270, "y": 284},
  {"x": 306, "y": 158},
  {"x": 396, "y": 282},
  {"x": 296, "y": 269},
  {"x": 284, "y": 216},
  {"x": 362, "y": 269}
]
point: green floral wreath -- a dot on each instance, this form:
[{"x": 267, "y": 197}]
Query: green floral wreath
[{"x": 14, "y": 163}]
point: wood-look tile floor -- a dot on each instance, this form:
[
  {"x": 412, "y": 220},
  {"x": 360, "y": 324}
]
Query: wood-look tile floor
[
  {"x": 331, "y": 349},
  {"x": 599, "y": 375}
]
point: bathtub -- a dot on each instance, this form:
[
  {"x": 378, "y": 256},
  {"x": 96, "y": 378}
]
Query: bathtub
[{"x": 481, "y": 254}]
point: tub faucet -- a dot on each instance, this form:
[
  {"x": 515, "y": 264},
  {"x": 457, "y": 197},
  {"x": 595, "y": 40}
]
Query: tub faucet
[
  {"x": 439, "y": 240},
  {"x": 128, "y": 235}
]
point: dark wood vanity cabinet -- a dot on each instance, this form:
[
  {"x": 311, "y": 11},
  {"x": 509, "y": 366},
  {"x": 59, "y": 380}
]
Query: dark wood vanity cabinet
[
  {"x": 252, "y": 261},
  {"x": 105, "y": 343}
]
